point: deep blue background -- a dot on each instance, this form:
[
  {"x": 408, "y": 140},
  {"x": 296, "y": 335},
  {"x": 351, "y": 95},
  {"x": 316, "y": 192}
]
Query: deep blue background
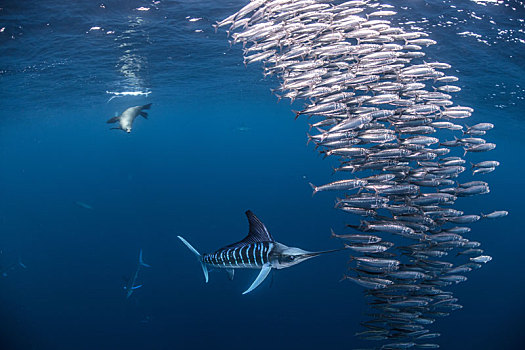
[{"x": 216, "y": 144}]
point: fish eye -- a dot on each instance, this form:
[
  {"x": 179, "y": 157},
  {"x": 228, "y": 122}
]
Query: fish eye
[{"x": 286, "y": 258}]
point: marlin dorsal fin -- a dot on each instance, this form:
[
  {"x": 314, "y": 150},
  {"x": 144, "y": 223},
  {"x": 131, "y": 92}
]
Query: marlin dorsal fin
[{"x": 257, "y": 232}]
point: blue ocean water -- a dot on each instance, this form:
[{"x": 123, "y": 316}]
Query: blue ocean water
[{"x": 79, "y": 200}]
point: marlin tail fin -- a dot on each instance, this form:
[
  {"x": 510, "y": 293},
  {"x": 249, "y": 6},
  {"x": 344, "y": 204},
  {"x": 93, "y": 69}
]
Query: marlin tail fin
[{"x": 194, "y": 251}]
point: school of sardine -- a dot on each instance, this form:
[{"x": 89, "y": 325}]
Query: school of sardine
[{"x": 386, "y": 111}]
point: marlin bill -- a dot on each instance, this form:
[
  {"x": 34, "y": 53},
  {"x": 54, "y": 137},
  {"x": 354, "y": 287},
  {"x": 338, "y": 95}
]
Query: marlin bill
[{"x": 258, "y": 250}]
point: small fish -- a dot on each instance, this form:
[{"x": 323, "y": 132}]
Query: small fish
[
  {"x": 483, "y": 170},
  {"x": 358, "y": 239},
  {"x": 464, "y": 219},
  {"x": 495, "y": 214},
  {"x": 481, "y": 259},
  {"x": 471, "y": 252},
  {"x": 408, "y": 275},
  {"x": 481, "y": 127},
  {"x": 84, "y": 205},
  {"x": 480, "y": 148},
  {"x": 369, "y": 283},
  {"x": 486, "y": 164},
  {"x": 339, "y": 185},
  {"x": 368, "y": 248}
]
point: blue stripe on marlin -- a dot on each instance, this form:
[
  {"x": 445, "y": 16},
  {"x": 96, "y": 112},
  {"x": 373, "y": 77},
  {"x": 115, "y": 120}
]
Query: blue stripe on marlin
[{"x": 258, "y": 250}]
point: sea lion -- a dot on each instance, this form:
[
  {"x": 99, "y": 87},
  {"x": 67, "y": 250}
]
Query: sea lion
[{"x": 128, "y": 116}]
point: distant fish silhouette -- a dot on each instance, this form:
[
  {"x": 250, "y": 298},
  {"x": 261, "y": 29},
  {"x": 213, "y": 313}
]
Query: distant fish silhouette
[
  {"x": 4, "y": 271},
  {"x": 131, "y": 285},
  {"x": 84, "y": 205},
  {"x": 243, "y": 128}
]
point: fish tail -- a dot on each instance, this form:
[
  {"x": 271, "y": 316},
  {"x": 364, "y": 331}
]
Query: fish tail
[
  {"x": 198, "y": 255},
  {"x": 314, "y": 188},
  {"x": 363, "y": 224},
  {"x": 309, "y": 136},
  {"x": 141, "y": 261}
]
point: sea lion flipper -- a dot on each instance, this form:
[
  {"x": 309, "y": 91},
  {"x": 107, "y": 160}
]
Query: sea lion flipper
[
  {"x": 144, "y": 114},
  {"x": 146, "y": 106},
  {"x": 113, "y": 120}
]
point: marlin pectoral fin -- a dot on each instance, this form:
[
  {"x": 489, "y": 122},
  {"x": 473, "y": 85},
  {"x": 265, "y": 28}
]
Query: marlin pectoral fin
[
  {"x": 231, "y": 273},
  {"x": 136, "y": 287},
  {"x": 265, "y": 270}
]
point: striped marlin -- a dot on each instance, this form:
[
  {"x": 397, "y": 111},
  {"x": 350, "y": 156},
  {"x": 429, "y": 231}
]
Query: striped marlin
[{"x": 258, "y": 250}]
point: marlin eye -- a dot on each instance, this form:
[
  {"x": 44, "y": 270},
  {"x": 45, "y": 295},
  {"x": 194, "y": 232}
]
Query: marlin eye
[{"x": 292, "y": 257}]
